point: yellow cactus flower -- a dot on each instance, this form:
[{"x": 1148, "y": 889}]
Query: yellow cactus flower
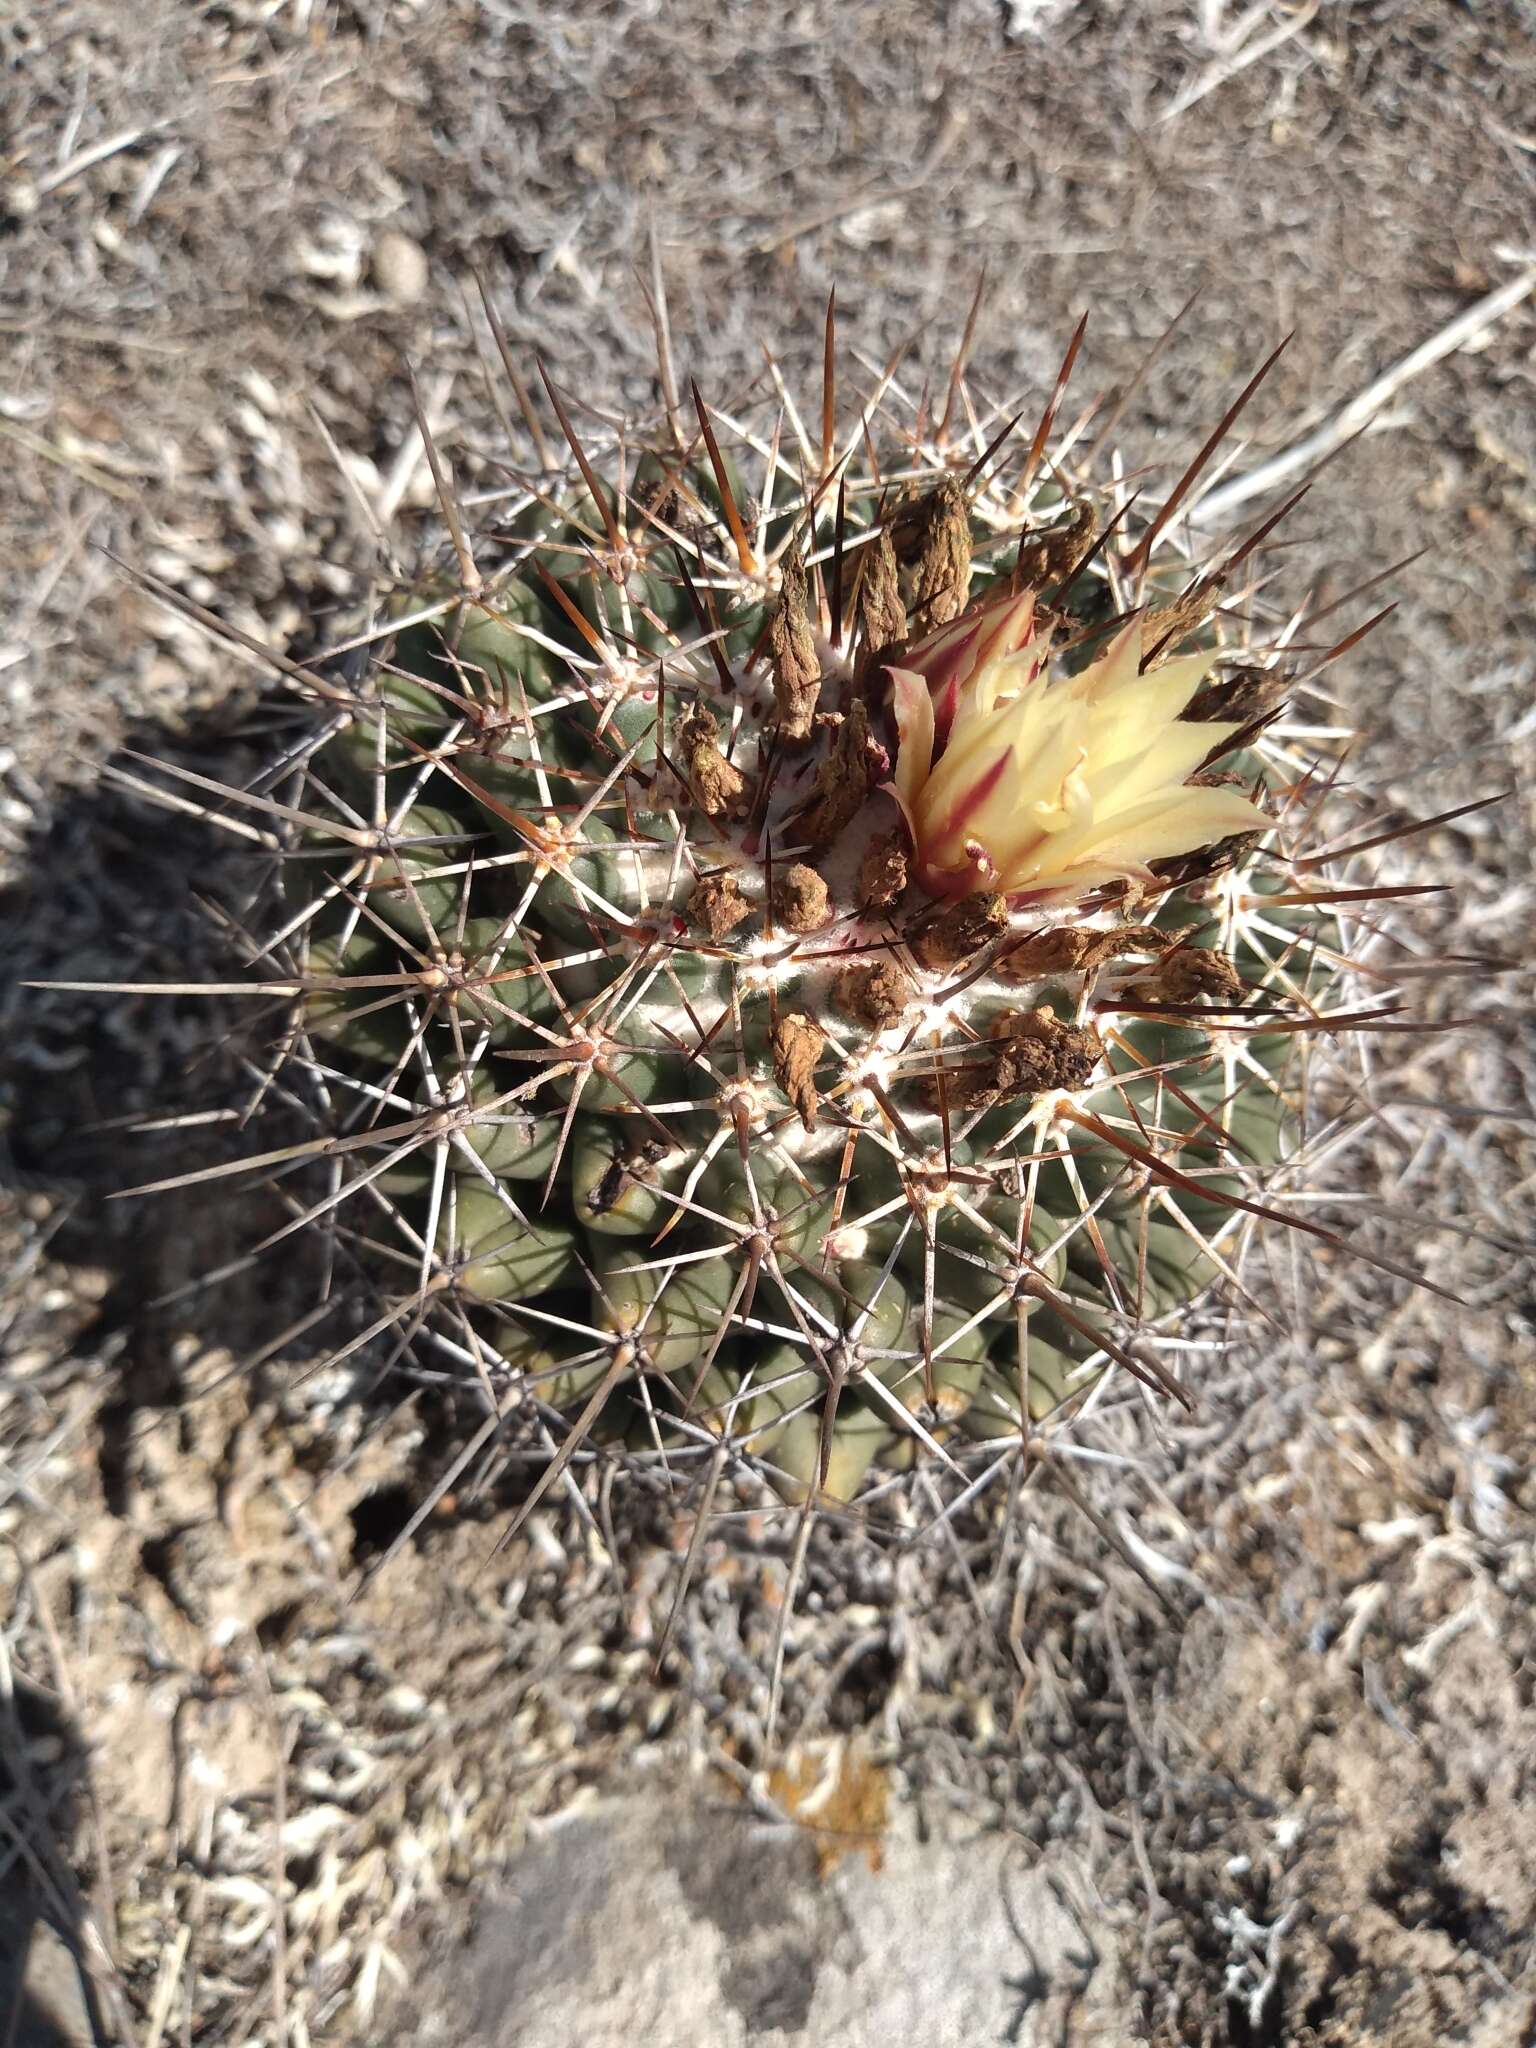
[{"x": 1047, "y": 787}]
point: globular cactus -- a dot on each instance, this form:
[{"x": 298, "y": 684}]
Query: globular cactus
[{"x": 801, "y": 945}]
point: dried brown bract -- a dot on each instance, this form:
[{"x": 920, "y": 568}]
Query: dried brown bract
[
  {"x": 1076, "y": 949},
  {"x": 881, "y": 615},
  {"x": 797, "y": 1046},
  {"x": 1165, "y": 628},
  {"x": 935, "y": 534},
  {"x": 1024, "y": 1054},
  {"x": 1189, "y": 869},
  {"x": 884, "y": 870},
  {"x": 1191, "y": 975},
  {"x": 1053, "y": 557},
  {"x": 714, "y": 782},
  {"x": 1244, "y": 695},
  {"x": 792, "y": 652},
  {"x": 717, "y": 905},
  {"x": 801, "y": 899},
  {"x": 844, "y": 779},
  {"x": 954, "y": 931},
  {"x": 875, "y": 993}
]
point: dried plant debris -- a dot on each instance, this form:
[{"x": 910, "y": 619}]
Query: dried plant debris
[
  {"x": 1079, "y": 949},
  {"x": 717, "y": 905},
  {"x": 801, "y": 899},
  {"x": 797, "y": 1047},
  {"x": 841, "y": 1796},
  {"x": 1024, "y": 1054},
  {"x": 716, "y": 785},
  {"x": 952, "y": 933},
  {"x": 876, "y": 993},
  {"x": 934, "y": 535},
  {"x": 792, "y": 652},
  {"x": 845, "y": 778},
  {"x": 1191, "y": 975},
  {"x": 884, "y": 870}
]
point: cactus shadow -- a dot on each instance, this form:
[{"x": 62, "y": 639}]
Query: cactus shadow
[
  {"x": 48, "y": 1997},
  {"x": 117, "y": 889}
]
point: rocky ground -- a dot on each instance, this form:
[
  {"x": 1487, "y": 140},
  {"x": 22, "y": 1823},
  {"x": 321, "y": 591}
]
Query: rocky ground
[{"x": 1257, "y": 1770}]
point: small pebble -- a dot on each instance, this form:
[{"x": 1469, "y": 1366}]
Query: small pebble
[{"x": 399, "y": 267}]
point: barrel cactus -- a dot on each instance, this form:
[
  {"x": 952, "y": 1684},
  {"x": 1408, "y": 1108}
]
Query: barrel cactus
[{"x": 796, "y": 945}]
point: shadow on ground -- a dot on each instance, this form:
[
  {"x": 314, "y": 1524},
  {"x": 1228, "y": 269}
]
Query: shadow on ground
[
  {"x": 47, "y": 1995},
  {"x": 103, "y": 1092}
]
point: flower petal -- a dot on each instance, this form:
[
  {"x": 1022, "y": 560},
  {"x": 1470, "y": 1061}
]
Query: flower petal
[
  {"x": 914, "y": 735},
  {"x": 1166, "y": 763},
  {"x": 997, "y": 626},
  {"x": 1119, "y": 665},
  {"x": 1173, "y": 822}
]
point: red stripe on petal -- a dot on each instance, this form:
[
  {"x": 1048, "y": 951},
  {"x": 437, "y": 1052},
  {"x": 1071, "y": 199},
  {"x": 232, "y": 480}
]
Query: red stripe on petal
[{"x": 964, "y": 812}]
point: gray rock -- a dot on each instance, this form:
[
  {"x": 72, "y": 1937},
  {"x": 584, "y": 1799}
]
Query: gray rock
[{"x": 695, "y": 1924}]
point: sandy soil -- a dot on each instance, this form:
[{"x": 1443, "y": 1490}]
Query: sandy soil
[{"x": 1297, "y": 1769}]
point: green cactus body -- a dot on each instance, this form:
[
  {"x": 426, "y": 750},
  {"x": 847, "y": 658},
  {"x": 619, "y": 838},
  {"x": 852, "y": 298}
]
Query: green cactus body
[{"x": 807, "y": 1071}]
